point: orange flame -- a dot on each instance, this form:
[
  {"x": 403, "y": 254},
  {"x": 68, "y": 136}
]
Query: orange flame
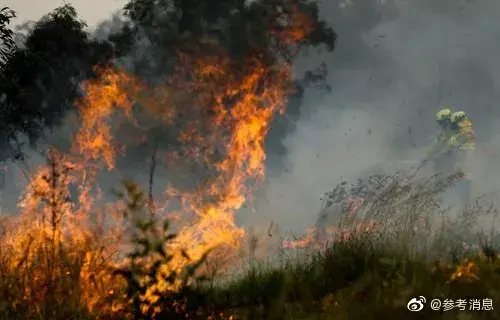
[
  {"x": 51, "y": 241},
  {"x": 103, "y": 95},
  {"x": 230, "y": 106},
  {"x": 259, "y": 97},
  {"x": 231, "y": 144}
]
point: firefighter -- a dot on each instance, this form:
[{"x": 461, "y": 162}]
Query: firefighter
[
  {"x": 439, "y": 151},
  {"x": 463, "y": 144}
]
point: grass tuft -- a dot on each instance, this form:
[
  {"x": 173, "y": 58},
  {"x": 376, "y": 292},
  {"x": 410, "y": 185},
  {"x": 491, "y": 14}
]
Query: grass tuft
[{"x": 414, "y": 247}]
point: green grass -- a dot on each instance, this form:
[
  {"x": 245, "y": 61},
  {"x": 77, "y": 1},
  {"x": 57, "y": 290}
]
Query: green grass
[
  {"x": 356, "y": 280},
  {"x": 414, "y": 252}
]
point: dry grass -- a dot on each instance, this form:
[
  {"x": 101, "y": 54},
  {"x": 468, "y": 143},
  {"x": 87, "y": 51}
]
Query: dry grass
[{"x": 414, "y": 249}]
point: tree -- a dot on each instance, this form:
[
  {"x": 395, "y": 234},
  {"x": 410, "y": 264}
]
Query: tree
[
  {"x": 7, "y": 43},
  {"x": 40, "y": 79},
  {"x": 243, "y": 29}
]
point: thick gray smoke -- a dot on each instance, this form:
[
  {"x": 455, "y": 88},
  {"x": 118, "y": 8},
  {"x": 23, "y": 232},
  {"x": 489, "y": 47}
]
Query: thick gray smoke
[{"x": 395, "y": 65}]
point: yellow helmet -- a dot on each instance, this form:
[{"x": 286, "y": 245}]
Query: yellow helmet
[
  {"x": 443, "y": 114},
  {"x": 458, "y": 116}
]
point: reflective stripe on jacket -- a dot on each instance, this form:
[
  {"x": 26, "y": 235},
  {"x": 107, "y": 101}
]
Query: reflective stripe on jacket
[{"x": 464, "y": 138}]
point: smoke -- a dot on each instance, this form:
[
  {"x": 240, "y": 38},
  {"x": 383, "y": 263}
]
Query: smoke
[{"x": 395, "y": 64}]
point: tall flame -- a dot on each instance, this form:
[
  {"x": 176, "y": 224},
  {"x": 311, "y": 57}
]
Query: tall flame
[
  {"x": 95, "y": 140},
  {"x": 229, "y": 139},
  {"x": 258, "y": 97},
  {"x": 224, "y": 109}
]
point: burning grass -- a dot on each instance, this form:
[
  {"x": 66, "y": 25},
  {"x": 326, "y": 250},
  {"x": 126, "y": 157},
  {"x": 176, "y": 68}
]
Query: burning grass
[{"x": 56, "y": 275}]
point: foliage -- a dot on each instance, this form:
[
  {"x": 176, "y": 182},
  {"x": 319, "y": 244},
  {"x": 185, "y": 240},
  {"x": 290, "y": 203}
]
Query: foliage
[
  {"x": 41, "y": 78},
  {"x": 241, "y": 30},
  {"x": 244, "y": 29},
  {"x": 146, "y": 268},
  {"x": 7, "y": 43}
]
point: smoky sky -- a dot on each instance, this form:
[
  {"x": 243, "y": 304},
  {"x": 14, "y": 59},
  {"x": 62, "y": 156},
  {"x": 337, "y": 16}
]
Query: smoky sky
[{"x": 396, "y": 63}]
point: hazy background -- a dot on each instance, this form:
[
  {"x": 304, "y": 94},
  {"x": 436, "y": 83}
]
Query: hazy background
[
  {"x": 395, "y": 64},
  {"x": 92, "y": 11},
  {"x": 393, "y": 68}
]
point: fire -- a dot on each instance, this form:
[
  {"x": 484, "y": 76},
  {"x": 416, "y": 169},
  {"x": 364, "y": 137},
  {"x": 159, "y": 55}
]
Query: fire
[
  {"x": 94, "y": 140},
  {"x": 318, "y": 238},
  {"x": 466, "y": 270},
  {"x": 223, "y": 108},
  {"x": 308, "y": 239},
  {"x": 230, "y": 143},
  {"x": 111, "y": 98},
  {"x": 53, "y": 240},
  {"x": 311, "y": 238},
  {"x": 296, "y": 26},
  {"x": 246, "y": 123}
]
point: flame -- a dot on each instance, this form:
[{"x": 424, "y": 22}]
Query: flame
[
  {"x": 224, "y": 109},
  {"x": 308, "y": 239},
  {"x": 295, "y": 27},
  {"x": 466, "y": 270},
  {"x": 94, "y": 140},
  {"x": 110, "y": 97},
  {"x": 242, "y": 129},
  {"x": 52, "y": 240},
  {"x": 230, "y": 144},
  {"x": 330, "y": 234}
]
